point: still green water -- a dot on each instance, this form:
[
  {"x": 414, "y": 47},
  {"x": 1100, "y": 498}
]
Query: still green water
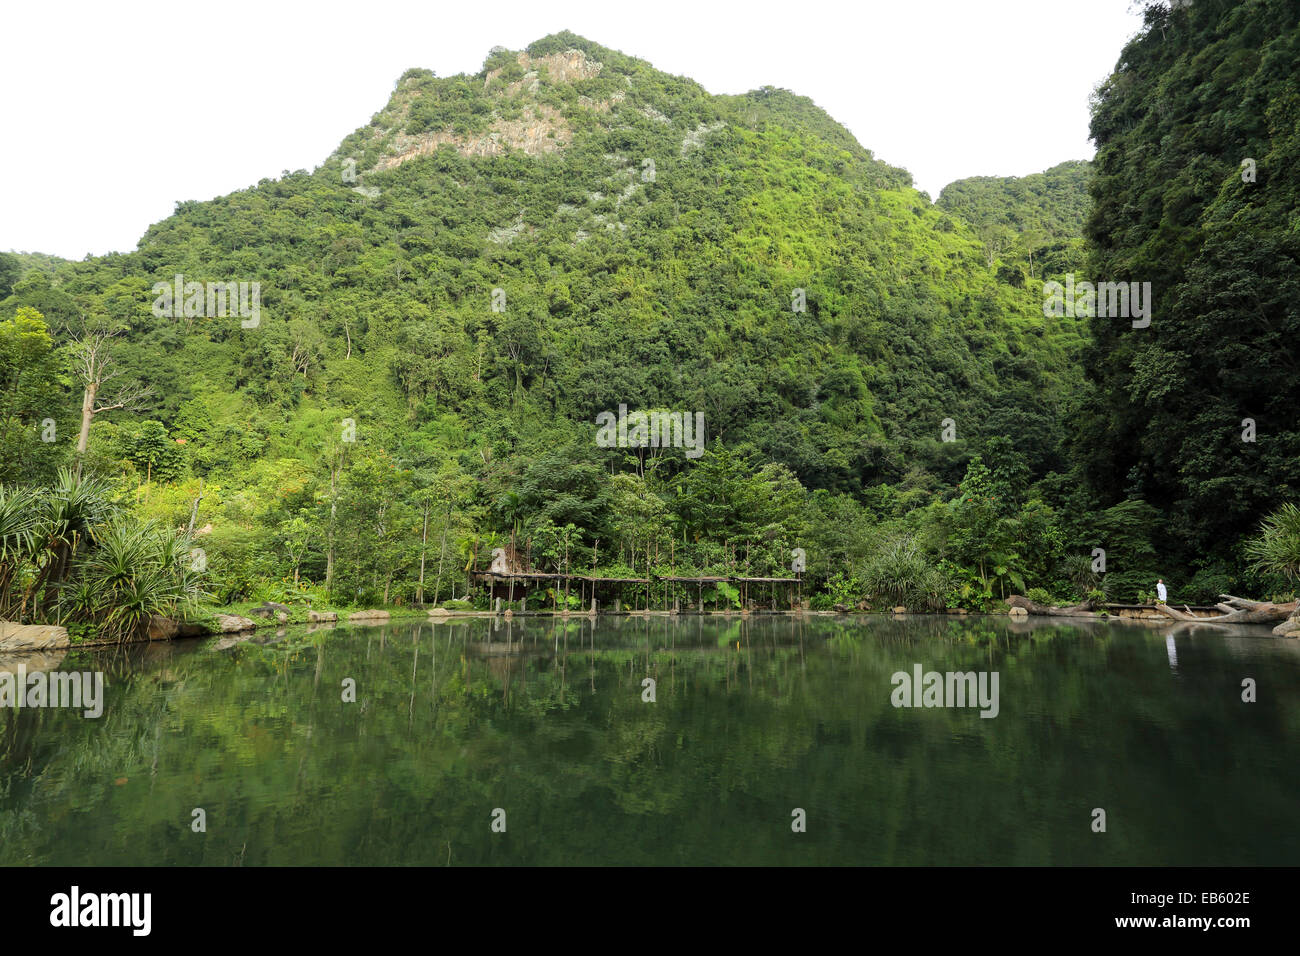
[{"x": 752, "y": 719}]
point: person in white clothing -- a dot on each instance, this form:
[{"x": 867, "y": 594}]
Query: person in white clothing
[{"x": 1161, "y": 594}]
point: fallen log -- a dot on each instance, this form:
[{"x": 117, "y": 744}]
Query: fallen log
[
  {"x": 1046, "y": 610},
  {"x": 1262, "y": 612},
  {"x": 1240, "y": 604}
]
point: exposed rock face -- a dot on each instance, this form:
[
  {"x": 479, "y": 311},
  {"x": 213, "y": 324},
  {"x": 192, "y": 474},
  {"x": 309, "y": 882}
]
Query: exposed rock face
[
  {"x": 567, "y": 67},
  {"x": 32, "y": 637},
  {"x": 540, "y": 129},
  {"x": 695, "y": 139}
]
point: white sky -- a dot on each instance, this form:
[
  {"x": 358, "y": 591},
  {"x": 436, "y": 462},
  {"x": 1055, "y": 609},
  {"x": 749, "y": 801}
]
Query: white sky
[{"x": 113, "y": 111}]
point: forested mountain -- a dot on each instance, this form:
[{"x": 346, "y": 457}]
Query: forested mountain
[
  {"x": 453, "y": 298},
  {"x": 1034, "y": 223},
  {"x": 1197, "y": 191}
]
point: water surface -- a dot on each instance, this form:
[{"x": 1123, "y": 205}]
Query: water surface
[{"x": 753, "y": 719}]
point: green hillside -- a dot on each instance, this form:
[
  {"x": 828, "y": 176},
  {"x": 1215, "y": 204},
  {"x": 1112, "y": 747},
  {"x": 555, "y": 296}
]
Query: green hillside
[
  {"x": 453, "y": 298},
  {"x": 1197, "y": 413}
]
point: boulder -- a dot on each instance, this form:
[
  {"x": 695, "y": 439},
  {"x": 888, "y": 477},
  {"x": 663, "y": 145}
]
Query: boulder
[
  {"x": 162, "y": 628},
  {"x": 191, "y": 629},
  {"x": 233, "y": 624},
  {"x": 318, "y": 617},
  {"x": 1019, "y": 613},
  {"x": 900, "y": 610},
  {"x": 282, "y": 617},
  {"x": 1288, "y": 628},
  {"x": 368, "y": 616},
  {"x": 32, "y": 637},
  {"x": 269, "y": 609},
  {"x": 438, "y": 612}
]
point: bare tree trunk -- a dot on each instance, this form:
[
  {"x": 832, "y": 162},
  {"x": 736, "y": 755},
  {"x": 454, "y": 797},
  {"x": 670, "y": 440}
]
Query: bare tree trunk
[
  {"x": 87, "y": 413},
  {"x": 442, "y": 554},
  {"x": 1256, "y": 613},
  {"x": 194, "y": 509},
  {"x": 329, "y": 549},
  {"x": 424, "y": 544}
]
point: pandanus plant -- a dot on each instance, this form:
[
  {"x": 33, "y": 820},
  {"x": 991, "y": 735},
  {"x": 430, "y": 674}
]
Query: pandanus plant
[
  {"x": 136, "y": 570},
  {"x": 66, "y": 514},
  {"x": 19, "y": 518},
  {"x": 1276, "y": 549},
  {"x": 65, "y": 555}
]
